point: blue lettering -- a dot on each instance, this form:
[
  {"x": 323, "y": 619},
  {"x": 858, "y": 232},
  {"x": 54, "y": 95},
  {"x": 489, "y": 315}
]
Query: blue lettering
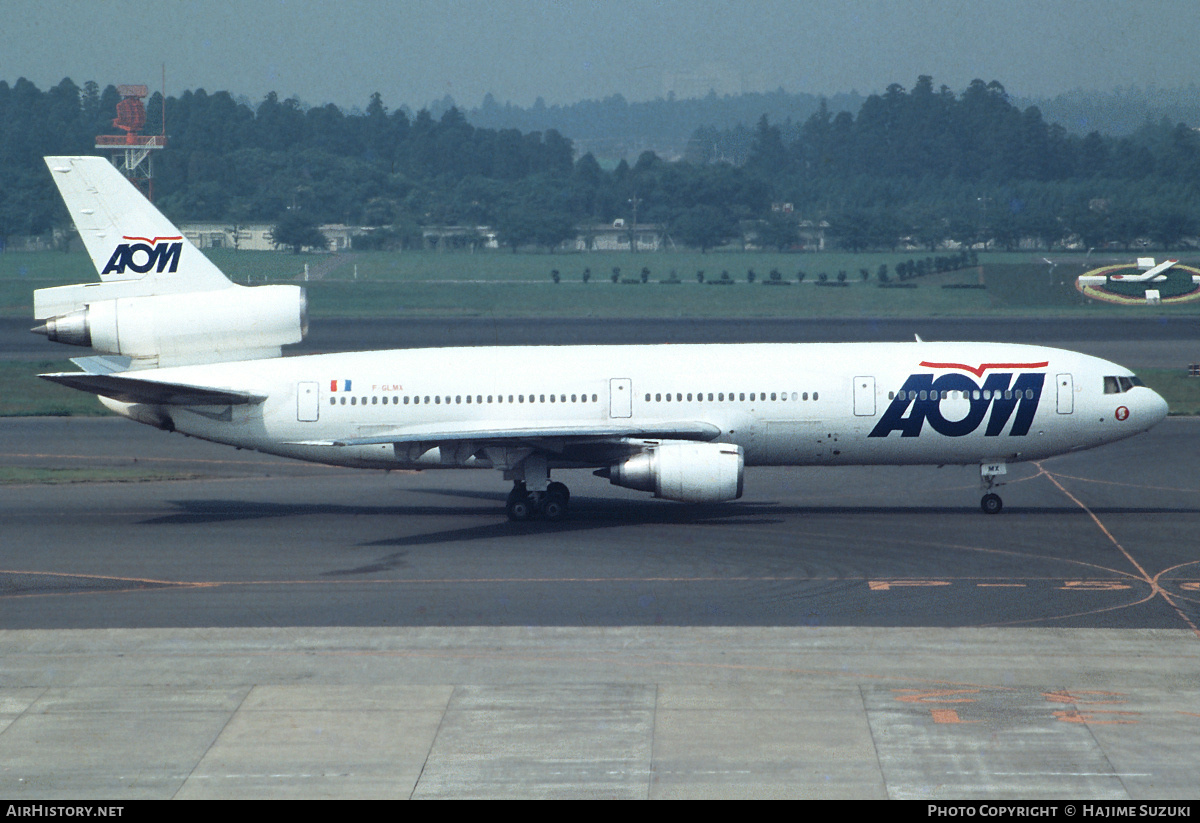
[
  {"x": 131, "y": 262},
  {"x": 933, "y": 407},
  {"x": 1003, "y": 405},
  {"x": 169, "y": 253},
  {"x": 919, "y": 400},
  {"x": 161, "y": 257},
  {"x": 894, "y": 420},
  {"x": 116, "y": 263}
]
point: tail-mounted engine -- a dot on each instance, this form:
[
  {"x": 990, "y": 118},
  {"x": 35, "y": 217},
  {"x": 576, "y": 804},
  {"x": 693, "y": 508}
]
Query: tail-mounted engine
[{"x": 234, "y": 323}]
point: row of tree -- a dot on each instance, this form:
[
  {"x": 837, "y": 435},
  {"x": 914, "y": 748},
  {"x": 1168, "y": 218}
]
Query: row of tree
[
  {"x": 977, "y": 136},
  {"x": 905, "y": 270},
  {"x": 910, "y": 168}
]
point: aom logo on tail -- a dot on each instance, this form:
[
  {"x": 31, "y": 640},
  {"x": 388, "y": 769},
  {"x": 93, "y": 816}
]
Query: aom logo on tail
[
  {"x": 999, "y": 394},
  {"x": 158, "y": 253}
]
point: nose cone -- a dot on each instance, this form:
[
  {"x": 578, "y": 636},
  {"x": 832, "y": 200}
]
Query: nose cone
[
  {"x": 1156, "y": 408},
  {"x": 1143, "y": 407}
]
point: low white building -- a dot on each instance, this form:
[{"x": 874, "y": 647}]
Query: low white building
[
  {"x": 257, "y": 236},
  {"x": 248, "y": 236},
  {"x": 616, "y": 237}
]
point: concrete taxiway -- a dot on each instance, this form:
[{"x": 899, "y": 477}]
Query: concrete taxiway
[
  {"x": 224, "y": 624},
  {"x": 232, "y": 625}
]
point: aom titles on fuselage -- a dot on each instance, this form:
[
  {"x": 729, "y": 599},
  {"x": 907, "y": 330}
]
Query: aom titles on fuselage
[{"x": 182, "y": 348}]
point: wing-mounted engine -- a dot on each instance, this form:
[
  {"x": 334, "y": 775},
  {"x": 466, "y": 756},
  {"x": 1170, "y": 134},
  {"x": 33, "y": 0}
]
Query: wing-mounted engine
[{"x": 683, "y": 471}]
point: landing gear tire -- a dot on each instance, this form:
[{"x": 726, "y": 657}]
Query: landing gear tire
[
  {"x": 559, "y": 489},
  {"x": 991, "y": 504},
  {"x": 521, "y": 505},
  {"x": 521, "y": 509},
  {"x": 553, "y": 507}
]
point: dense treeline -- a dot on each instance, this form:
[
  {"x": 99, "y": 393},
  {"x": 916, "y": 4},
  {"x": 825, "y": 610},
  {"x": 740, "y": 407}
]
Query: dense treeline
[
  {"x": 668, "y": 125},
  {"x": 930, "y": 165},
  {"x": 615, "y": 127},
  {"x": 978, "y": 135},
  {"x": 918, "y": 166},
  {"x": 226, "y": 161}
]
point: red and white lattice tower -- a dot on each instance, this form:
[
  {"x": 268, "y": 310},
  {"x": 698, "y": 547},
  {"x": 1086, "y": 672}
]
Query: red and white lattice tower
[{"x": 133, "y": 153}]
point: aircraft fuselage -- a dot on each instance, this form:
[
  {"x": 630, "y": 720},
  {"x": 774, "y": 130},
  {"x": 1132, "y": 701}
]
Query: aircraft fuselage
[{"x": 784, "y": 404}]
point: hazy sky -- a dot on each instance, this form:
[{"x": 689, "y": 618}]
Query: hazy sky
[{"x": 416, "y": 51}]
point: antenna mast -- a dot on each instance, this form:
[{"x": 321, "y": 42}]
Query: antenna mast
[{"x": 132, "y": 152}]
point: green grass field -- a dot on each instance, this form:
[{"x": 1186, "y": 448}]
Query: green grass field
[
  {"x": 26, "y": 396},
  {"x": 502, "y": 284}
]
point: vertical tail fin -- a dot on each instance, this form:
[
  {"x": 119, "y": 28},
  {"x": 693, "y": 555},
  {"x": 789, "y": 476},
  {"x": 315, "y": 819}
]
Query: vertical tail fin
[
  {"x": 161, "y": 302},
  {"x": 125, "y": 235}
]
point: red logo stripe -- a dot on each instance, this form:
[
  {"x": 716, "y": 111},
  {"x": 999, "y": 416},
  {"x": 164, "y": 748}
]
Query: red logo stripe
[
  {"x": 978, "y": 371},
  {"x": 152, "y": 241}
]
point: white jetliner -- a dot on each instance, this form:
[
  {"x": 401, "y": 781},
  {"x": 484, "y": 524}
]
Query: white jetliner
[
  {"x": 1150, "y": 271},
  {"x": 184, "y": 349}
]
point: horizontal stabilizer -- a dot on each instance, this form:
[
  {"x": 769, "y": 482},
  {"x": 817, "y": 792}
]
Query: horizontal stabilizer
[
  {"x": 482, "y": 434},
  {"x": 103, "y": 363},
  {"x": 140, "y": 390}
]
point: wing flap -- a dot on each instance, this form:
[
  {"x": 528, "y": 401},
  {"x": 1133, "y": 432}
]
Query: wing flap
[
  {"x": 508, "y": 433},
  {"x": 140, "y": 390}
]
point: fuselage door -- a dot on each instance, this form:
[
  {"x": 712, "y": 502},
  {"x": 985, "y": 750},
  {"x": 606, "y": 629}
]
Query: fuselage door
[
  {"x": 1066, "y": 394},
  {"x": 307, "y": 407},
  {"x": 864, "y": 396},
  {"x": 620, "y": 397}
]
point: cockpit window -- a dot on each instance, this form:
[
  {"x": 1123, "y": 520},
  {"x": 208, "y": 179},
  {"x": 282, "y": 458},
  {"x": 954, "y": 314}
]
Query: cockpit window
[{"x": 1120, "y": 385}]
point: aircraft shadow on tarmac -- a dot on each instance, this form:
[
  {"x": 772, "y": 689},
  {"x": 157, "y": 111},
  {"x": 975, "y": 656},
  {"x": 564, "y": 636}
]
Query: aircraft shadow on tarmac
[{"x": 590, "y": 514}]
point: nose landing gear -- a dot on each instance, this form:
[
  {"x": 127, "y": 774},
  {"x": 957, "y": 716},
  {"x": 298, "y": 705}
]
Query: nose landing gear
[{"x": 988, "y": 474}]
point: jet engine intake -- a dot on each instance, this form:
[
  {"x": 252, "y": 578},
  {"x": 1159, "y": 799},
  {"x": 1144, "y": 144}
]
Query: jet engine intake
[{"x": 683, "y": 471}]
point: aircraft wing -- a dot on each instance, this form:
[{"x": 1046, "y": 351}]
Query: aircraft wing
[
  {"x": 508, "y": 433},
  {"x": 129, "y": 389}
]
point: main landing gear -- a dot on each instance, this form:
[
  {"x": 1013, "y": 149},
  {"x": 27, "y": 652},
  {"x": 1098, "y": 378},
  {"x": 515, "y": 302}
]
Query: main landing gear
[{"x": 549, "y": 505}]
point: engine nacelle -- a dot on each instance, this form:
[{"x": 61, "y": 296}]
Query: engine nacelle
[
  {"x": 237, "y": 323},
  {"x": 683, "y": 471}
]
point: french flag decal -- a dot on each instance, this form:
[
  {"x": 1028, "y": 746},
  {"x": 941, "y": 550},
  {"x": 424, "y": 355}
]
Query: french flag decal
[{"x": 339, "y": 385}]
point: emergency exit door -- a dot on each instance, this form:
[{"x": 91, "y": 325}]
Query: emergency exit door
[
  {"x": 1066, "y": 393},
  {"x": 307, "y": 407},
  {"x": 864, "y": 396},
  {"x": 620, "y": 397}
]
